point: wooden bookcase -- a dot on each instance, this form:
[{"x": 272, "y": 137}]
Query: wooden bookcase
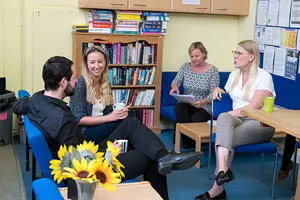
[{"x": 80, "y": 38}]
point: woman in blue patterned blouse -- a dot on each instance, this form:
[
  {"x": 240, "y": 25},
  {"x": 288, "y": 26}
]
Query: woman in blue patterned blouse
[
  {"x": 92, "y": 101},
  {"x": 199, "y": 78}
]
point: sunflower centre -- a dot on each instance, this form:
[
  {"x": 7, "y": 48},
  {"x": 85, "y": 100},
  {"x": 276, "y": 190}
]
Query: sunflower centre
[
  {"x": 83, "y": 174},
  {"x": 101, "y": 176}
]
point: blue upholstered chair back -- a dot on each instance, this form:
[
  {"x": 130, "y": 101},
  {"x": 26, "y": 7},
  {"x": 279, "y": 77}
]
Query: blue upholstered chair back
[
  {"x": 39, "y": 147},
  {"x": 45, "y": 189},
  {"x": 223, "y": 105},
  {"x": 23, "y": 93}
]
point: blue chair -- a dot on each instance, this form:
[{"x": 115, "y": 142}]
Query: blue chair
[
  {"x": 225, "y": 105},
  {"x": 46, "y": 189},
  {"x": 41, "y": 152},
  {"x": 21, "y": 94}
]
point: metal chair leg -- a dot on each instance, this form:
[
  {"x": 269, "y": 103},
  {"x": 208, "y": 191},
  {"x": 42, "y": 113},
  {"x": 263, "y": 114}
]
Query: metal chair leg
[
  {"x": 261, "y": 171},
  {"x": 274, "y": 174},
  {"x": 210, "y": 145},
  {"x": 27, "y": 154},
  {"x": 294, "y": 168},
  {"x": 33, "y": 174}
]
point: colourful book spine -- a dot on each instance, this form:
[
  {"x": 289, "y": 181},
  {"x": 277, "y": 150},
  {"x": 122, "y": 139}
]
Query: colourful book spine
[{"x": 156, "y": 14}]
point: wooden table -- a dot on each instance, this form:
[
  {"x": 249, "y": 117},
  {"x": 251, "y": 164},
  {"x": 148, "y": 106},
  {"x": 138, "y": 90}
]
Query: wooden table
[
  {"x": 200, "y": 132},
  {"x": 133, "y": 191},
  {"x": 287, "y": 121}
]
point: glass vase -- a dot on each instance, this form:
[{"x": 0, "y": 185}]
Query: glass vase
[{"x": 85, "y": 190}]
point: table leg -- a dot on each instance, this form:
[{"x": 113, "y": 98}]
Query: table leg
[
  {"x": 297, "y": 196},
  {"x": 177, "y": 139},
  {"x": 198, "y": 149}
]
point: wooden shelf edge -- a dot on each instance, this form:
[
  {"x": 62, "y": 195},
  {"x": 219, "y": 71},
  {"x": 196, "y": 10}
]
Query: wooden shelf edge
[
  {"x": 141, "y": 107},
  {"x": 132, "y": 86},
  {"x": 118, "y": 34},
  {"x": 155, "y": 129},
  {"x": 132, "y": 65}
]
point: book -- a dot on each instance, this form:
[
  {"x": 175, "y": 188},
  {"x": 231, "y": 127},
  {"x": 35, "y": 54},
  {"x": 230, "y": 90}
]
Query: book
[{"x": 156, "y": 14}]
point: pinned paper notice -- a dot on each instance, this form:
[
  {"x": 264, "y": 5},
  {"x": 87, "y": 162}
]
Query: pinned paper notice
[{"x": 191, "y": 2}]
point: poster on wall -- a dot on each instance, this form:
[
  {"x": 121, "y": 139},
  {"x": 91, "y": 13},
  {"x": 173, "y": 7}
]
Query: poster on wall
[
  {"x": 262, "y": 12},
  {"x": 291, "y": 64},
  {"x": 268, "y": 58},
  {"x": 295, "y": 14},
  {"x": 284, "y": 13},
  {"x": 273, "y": 11}
]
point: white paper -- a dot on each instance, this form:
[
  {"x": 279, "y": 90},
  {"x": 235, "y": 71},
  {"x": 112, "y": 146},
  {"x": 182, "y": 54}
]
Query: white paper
[
  {"x": 284, "y": 13},
  {"x": 298, "y": 40},
  {"x": 295, "y": 14},
  {"x": 268, "y": 58},
  {"x": 259, "y": 34},
  {"x": 261, "y": 47},
  {"x": 279, "y": 61},
  {"x": 291, "y": 64},
  {"x": 277, "y": 36},
  {"x": 262, "y": 12},
  {"x": 269, "y": 35},
  {"x": 191, "y": 2},
  {"x": 184, "y": 98},
  {"x": 273, "y": 10}
]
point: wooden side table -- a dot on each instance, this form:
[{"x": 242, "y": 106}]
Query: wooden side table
[
  {"x": 133, "y": 191},
  {"x": 199, "y": 132}
]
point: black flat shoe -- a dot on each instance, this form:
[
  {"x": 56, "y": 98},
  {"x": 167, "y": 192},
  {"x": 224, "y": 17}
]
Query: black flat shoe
[
  {"x": 206, "y": 196},
  {"x": 223, "y": 177},
  {"x": 177, "y": 161}
]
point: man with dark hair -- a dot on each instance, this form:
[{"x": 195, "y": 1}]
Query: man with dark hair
[{"x": 147, "y": 155}]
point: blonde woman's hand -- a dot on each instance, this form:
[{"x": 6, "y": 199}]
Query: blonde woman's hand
[
  {"x": 174, "y": 90},
  {"x": 217, "y": 93},
  {"x": 117, "y": 145},
  {"x": 117, "y": 115}
]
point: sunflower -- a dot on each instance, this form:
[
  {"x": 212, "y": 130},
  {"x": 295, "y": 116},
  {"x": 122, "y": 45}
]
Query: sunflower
[
  {"x": 90, "y": 151},
  {"x": 110, "y": 155},
  {"x": 58, "y": 166},
  {"x": 81, "y": 170},
  {"x": 105, "y": 175}
]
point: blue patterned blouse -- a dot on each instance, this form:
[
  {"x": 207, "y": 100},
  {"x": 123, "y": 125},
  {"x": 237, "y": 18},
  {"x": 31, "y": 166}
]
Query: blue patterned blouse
[{"x": 199, "y": 85}]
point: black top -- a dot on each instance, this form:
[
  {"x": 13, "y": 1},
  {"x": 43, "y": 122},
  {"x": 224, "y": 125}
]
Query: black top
[{"x": 53, "y": 118}]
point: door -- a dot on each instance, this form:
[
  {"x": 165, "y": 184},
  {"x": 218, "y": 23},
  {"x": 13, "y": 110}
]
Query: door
[
  {"x": 191, "y": 6},
  {"x": 151, "y": 5},
  {"x": 103, "y": 4},
  {"x": 225, "y": 7}
]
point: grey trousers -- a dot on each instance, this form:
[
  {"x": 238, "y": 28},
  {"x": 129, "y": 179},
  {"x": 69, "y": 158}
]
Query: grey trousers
[{"x": 233, "y": 131}]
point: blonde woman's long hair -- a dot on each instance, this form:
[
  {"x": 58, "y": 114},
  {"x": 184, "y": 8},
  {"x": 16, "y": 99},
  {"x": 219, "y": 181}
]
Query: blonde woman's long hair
[
  {"x": 251, "y": 47},
  {"x": 105, "y": 89}
]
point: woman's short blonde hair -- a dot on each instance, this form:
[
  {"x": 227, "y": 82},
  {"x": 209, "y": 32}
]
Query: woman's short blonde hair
[
  {"x": 200, "y": 46},
  {"x": 105, "y": 89}
]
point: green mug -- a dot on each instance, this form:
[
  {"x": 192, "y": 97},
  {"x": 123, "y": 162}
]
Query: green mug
[{"x": 269, "y": 104}]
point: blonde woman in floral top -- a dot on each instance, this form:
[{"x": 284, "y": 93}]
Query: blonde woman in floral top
[{"x": 199, "y": 78}]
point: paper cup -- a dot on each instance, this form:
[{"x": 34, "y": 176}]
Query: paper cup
[
  {"x": 124, "y": 144},
  {"x": 119, "y": 106},
  {"x": 269, "y": 104}
]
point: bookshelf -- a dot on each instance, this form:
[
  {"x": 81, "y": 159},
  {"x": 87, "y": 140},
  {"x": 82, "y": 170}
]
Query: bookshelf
[{"x": 81, "y": 38}]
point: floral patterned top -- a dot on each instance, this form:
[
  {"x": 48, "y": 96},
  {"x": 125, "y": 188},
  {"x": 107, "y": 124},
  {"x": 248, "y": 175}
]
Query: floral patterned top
[{"x": 200, "y": 85}]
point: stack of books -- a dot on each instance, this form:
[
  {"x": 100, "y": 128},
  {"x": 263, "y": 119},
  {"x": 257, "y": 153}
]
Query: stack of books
[
  {"x": 155, "y": 23},
  {"x": 100, "y": 21},
  {"x": 81, "y": 28},
  {"x": 128, "y": 22}
]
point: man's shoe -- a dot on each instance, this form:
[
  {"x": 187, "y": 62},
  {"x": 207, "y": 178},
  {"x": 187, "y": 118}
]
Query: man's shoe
[
  {"x": 282, "y": 175},
  {"x": 177, "y": 161},
  {"x": 206, "y": 196}
]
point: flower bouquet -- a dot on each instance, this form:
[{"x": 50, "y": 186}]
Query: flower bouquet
[{"x": 87, "y": 167}]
